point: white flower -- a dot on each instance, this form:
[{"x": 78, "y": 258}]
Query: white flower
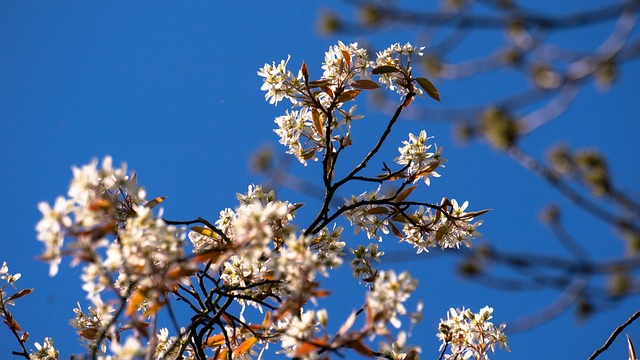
[
  {"x": 386, "y": 298},
  {"x": 399, "y": 57},
  {"x": 422, "y": 163},
  {"x": 131, "y": 349},
  {"x": 46, "y": 351}
]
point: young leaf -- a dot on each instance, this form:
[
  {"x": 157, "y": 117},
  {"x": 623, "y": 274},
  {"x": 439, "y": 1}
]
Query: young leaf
[
  {"x": 11, "y": 323},
  {"x": 396, "y": 232},
  {"x": 204, "y": 231},
  {"x": 215, "y": 340},
  {"x": 153, "y": 309},
  {"x": 266, "y": 323},
  {"x": 385, "y": 69},
  {"x": 19, "y": 294},
  {"x": 327, "y": 90},
  {"x": 90, "y": 333},
  {"x": 222, "y": 355},
  {"x": 347, "y": 324},
  {"x": 364, "y": 84},
  {"x": 319, "y": 83},
  {"x": 153, "y": 203},
  {"x": 347, "y": 57},
  {"x": 428, "y": 87},
  {"x": 632, "y": 351},
  {"x": 405, "y": 193},
  {"x": 317, "y": 122},
  {"x": 307, "y": 348},
  {"x": 360, "y": 347},
  {"x": 245, "y": 346},
  {"x": 377, "y": 210},
  {"x": 348, "y": 95},
  {"x": 209, "y": 255},
  {"x": 135, "y": 300},
  {"x": 305, "y": 71}
]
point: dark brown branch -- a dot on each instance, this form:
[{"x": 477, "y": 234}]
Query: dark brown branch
[{"x": 614, "y": 335}]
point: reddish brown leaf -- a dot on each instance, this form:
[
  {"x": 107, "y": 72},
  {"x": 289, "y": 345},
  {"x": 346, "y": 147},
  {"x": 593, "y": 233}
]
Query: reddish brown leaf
[
  {"x": 395, "y": 231},
  {"x": 305, "y": 71},
  {"x": 348, "y": 95},
  {"x": 361, "y": 348},
  {"x": 347, "y": 57},
  {"x": 210, "y": 255},
  {"x": 364, "y": 84},
  {"x": 385, "y": 69},
  {"x": 428, "y": 87},
  {"x": 308, "y": 347},
  {"x": 377, "y": 210},
  {"x": 405, "y": 193},
  {"x": 90, "y": 333},
  {"x": 19, "y": 294}
]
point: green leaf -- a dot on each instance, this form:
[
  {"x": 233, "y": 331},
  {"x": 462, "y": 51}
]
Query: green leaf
[
  {"x": 365, "y": 84},
  {"x": 385, "y": 69},
  {"x": 428, "y": 87}
]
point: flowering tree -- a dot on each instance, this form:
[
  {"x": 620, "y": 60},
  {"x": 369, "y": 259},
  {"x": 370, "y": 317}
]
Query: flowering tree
[
  {"x": 536, "y": 68},
  {"x": 252, "y": 279}
]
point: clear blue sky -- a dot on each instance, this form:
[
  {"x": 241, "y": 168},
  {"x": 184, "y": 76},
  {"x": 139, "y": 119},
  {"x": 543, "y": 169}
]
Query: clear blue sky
[{"x": 171, "y": 89}]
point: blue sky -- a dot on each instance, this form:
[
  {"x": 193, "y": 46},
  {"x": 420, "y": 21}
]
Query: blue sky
[{"x": 171, "y": 89}]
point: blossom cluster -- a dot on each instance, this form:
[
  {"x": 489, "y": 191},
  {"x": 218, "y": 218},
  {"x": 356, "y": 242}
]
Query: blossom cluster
[
  {"x": 347, "y": 71},
  {"x": 121, "y": 243},
  {"x": 470, "y": 335},
  {"x": 441, "y": 228}
]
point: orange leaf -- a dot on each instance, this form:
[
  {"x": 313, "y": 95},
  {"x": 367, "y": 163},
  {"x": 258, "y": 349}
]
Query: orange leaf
[
  {"x": 177, "y": 273},
  {"x": 266, "y": 323},
  {"x": 153, "y": 309},
  {"x": 210, "y": 255},
  {"x": 204, "y": 231},
  {"x": 153, "y": 203},
  {"x": 222, "y": 355},
  {"x": 135, "y": 300},
  {"x": 245, "y": 346},
  {"x": 215, "y": 340},
  {"x": 99, "y": 204},
  {"x": 304, "y": 349},
  {"x": 321, "y": 293}
]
